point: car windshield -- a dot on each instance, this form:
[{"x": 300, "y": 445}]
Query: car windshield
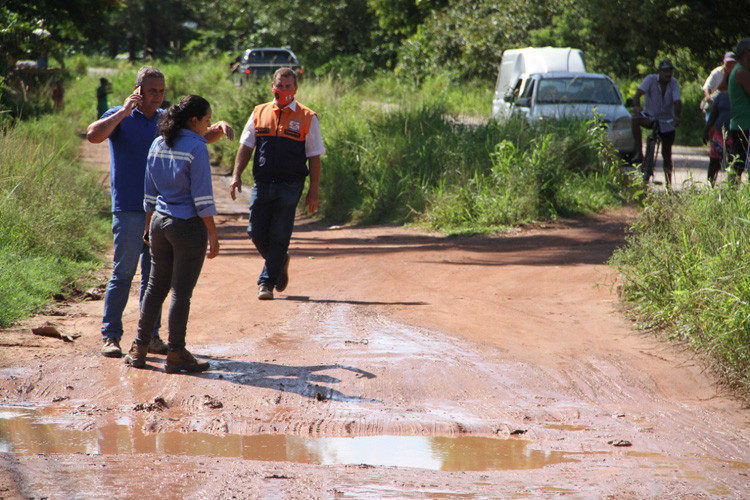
[
  {"x": 269, "y": 57},
  {"x": 577, "y": 91}
]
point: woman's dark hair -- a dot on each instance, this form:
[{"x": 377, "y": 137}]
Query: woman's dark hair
[{"x": 179, "y": 114}]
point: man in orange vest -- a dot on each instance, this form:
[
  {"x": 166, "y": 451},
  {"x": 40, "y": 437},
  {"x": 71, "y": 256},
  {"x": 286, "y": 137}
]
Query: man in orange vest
[{"x": 287, "y": 142}]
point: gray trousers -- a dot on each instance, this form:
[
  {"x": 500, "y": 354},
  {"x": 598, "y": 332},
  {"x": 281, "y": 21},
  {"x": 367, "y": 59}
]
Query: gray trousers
[{"x": 178, "y": 249}]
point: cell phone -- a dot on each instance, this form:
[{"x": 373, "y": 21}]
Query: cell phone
[{"x": 138, "y": 90}]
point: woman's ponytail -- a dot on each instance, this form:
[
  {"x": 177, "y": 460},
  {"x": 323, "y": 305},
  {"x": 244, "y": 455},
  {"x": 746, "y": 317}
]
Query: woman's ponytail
[{"x": 179, "y": 114}]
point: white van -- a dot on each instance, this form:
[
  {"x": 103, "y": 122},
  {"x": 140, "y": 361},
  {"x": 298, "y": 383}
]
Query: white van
[
  {"x": 552, "y": 83},
  {"x": 519, "y": 62}
]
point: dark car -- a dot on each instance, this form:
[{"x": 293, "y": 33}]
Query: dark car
[{"x": 263, "y": 62}]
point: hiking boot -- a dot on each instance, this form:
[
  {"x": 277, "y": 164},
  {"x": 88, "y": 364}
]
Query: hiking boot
[
  {"x": 283, "y": 280},
  {"x": 157, "y": 346},
  {"x": 137, "y": 355},
  {"x": 182, "y": 360},
  {"x": 265, "y": 292},
  {"x": 111, "y": 348}
]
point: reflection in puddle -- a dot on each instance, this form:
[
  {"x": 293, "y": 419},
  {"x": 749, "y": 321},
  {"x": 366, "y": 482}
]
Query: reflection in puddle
[
  {"x": 25, "y": 432},
  {"x": 566, "y": 427}
]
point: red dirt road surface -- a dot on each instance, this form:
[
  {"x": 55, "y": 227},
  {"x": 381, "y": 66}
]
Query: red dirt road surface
[{"x": 397, "y": 364}]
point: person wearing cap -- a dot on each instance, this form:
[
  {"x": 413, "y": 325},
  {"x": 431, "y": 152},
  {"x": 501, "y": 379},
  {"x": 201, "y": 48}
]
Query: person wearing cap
[
  {"x": 711, "y": 85},
  {"x": 662, "y": 103},
  {"x": 739, "y": 99}
]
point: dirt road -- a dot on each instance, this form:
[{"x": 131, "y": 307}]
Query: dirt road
[{"x": 398, "y": 364}]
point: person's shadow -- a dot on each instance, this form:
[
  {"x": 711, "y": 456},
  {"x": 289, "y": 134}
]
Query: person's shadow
[{"x": 302, "y": 380}]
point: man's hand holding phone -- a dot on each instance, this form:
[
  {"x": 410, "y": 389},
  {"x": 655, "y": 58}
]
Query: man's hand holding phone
[{"x": 134, "y": 100}]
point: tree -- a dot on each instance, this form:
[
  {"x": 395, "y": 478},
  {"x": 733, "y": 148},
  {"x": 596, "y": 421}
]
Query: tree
[
  {"x": 626, "y": 37},
  {"x": 30, "y": 27},
  {"x": 467, "y": 38},
  {"x": 403, "y": 17}
]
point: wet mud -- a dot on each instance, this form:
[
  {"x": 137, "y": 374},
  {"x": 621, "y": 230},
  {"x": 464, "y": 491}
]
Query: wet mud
[{"x": 398, "y": 364}]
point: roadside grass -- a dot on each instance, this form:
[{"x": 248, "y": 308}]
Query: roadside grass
[
  {"x": 52, "y": 223},
  {"x": 685, "y": 273},
  {"x": 414, "y": 163},
  {"x": 468, "y": 99},
  {"x": 532, "y": 173}
]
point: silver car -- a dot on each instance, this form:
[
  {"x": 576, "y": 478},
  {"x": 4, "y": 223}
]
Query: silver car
[{"x": 559, "y": 95}]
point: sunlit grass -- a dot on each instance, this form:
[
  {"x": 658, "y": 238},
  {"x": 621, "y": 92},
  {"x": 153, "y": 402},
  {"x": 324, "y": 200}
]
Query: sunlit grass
[{"x": 685, "y": 272}]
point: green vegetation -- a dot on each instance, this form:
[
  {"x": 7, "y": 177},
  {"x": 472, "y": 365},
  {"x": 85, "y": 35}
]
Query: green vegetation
[
  {"x": 416, "y": 164},
  {"x": 52, "y": 215},
  {"x": 684, "y": 272}
]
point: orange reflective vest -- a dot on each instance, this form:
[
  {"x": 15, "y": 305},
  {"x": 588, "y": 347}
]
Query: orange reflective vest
[{"x": 280, "y": 142}]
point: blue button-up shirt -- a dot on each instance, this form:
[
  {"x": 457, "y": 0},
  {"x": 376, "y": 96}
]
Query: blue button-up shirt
[
  {"x": 178, "y": 179},
  {"x": 128, "y": 147}
]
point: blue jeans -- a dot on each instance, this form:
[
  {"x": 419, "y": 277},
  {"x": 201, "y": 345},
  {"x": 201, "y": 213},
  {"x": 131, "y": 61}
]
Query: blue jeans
[
  {"x": 272, "y": 209},
  {"x": 178, "y": 249},
  {"x": 127, "y": 228}
]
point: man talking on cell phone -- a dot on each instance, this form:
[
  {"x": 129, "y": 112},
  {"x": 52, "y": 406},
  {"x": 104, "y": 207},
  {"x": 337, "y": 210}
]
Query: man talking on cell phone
[{"x": 131, "y": 128}]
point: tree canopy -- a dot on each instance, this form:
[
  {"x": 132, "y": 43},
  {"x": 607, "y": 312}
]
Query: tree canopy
[{"x": 464, "y": 38}]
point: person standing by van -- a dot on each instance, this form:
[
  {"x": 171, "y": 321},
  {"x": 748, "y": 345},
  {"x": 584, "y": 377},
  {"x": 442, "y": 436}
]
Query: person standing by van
[
  {"x": 717, "y": 131},
  {"x": 662, "y": 103}
]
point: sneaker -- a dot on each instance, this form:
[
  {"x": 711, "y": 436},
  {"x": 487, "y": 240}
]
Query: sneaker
[
  {"x": 182, "y": 360},
  {"x": 283, "y": 280},
  {"x": 265, "y": 292},
  {"x": 157, "y": 346},
  {"x": 111, "y": 348},
  {"x": 137, "y": 355}
]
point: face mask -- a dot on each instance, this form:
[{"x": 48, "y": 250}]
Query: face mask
[{"x": 283, "y": 97}]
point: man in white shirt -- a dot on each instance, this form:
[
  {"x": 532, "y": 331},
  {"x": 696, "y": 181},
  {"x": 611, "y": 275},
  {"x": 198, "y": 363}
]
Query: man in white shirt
[
  {"x": 663, "y": 104},
  {"x": 285, "y": 136},
  {"x": 711, "y": 85}
]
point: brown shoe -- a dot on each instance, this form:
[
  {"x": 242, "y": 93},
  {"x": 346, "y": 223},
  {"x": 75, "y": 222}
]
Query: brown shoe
[
  {"x": 178, "y": 361},
  {"x": 157, "y": 346},
  {"x": 137, "y": 355},
  {"x": 111, "y": 348}
]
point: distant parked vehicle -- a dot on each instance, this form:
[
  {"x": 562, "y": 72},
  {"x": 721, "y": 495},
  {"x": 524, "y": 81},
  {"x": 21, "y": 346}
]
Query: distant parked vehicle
[
  {"x": 263, "y": 62},
  {"x": 552, "y": 83}
]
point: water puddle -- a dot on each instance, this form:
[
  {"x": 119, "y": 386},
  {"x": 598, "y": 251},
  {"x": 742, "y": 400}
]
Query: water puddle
[
  {"x": 25, "y": 431},
  {"x": 567, "y": 427}
]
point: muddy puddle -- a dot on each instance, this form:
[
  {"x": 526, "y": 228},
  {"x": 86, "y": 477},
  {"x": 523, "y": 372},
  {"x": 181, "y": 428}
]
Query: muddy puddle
[{"x": 28, "y": 431}]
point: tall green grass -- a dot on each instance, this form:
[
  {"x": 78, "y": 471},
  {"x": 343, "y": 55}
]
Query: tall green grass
[
  {"x": 52, "y": 215},
  {"x": 685, "y": 272},
  {"x": 414, "y": 163}
]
